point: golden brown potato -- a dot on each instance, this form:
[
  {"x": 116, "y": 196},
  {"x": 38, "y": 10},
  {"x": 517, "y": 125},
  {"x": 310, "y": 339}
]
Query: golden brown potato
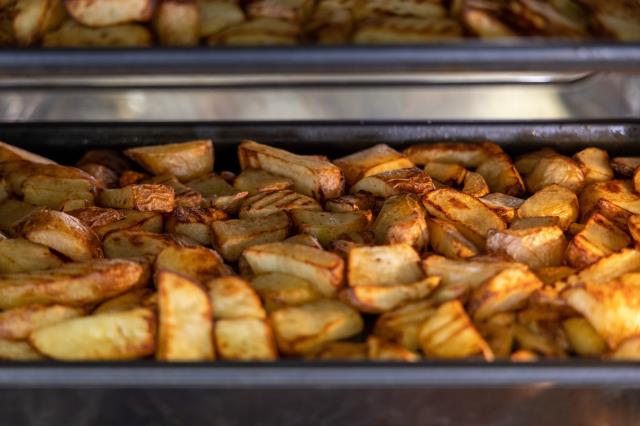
[
  {"x": 33, "y": 18},
  {"x": 216, "y": 15},
  {"x": 105, "y": 177},
  {"x": 72, "y": 34},
  {"x": 126, "y": 301},
  {"x": 618, "y": 194},
  {"x": 306, "y": 328},
  {"x": 71, "y": 284},
  {"x": 254, "y": 181},
  {"x": 584, "y": 340},
  {"x": 401, "y": 220},
  {"x": 322, "y": 269},
  {"x": 49, "y": 178},
  {"x": 633, "y": 225},
  {"x": 472, "y": 218},
  {"x": 96, "y": 217},
  {"x": 553, "y": 200},
  {"x": 543, "y": 341},
  {"x": 129, "y": 243},
  {"x": 62, "y": 233},
  {"x": 194, "y": 222},
  {"x": 445, "y": 239},
  {"x": 546, "y": 167},
  {"x": 293, "y": 10},
  {"x": 625, "y": 166},
  {"x": 52, "y": 192},
  {"x": 198, "y": 263},
  {"x": 266, "y": 203},
  {"x": 232, "y": 237},
  {"x": 233, "y": 297},
  {"x": 245, "y": 339},
  {"x": 401, "y": 325},
  {"x": 145, "y": 198},
  {"x": 326, "y": 226},
  {"x": 394, "y": 182},
  {"x": 186, "y": 160},
  {"x": 351, "y": 203},
  {"x": 185, "y": 319},
  {"x": 501, "y": 175},
  {"x": 628, "y": 350},
  {"x": 342, "y": 351},
  {"x": 380, "y": 298},
  {"x": 103, "y": 13},
  {"x": 550, "y": 275},
  {"x": 499, "y": 332},
  {"x": 594, "y": 163},
  {"x": 133, "y": 221},
  {"x": 12, "y": 153},
  {"x": 177, "y": 23},
  {"x": 475, "y": 185},
  {"x": 505, "y": 291},
  {"x": 381, "y": 350},
  {"x": 19, "y": 323},
  {"x": 599, "y": 238},
  {"x": 406, "y": 30},
  {"x": 535, "y": 247},
  {"x": 449, "y": 333},
  {"x": 447, "y": 173},
  {"x": 383, "y": 265},
  {"x": 261, "y": 31},
  {"x": 371, "y": 161},
  {"x": 505, "y": 206},
  {"x": 15, "y": 350},
  {"x": 20, "y": 255},
  {"x": 608, "y": 268},
  {"x": 112, "y": 336},
  {"x": 184, "y": 195},
  {"x": 467, "y": 155},
  {"x": 311, "y": 176},
  {"x": 534, "y": 222},
  {"x": 279, "y": 290}
]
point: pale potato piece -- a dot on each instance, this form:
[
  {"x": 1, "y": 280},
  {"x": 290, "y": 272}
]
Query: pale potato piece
[
  {"x": 46, "y": 177},
  {"x": 289, "y": 10},
  {"x": 499, "y": 332},
  {"x": 546, "y": 167},
  {"x": 594, "y": 163},
  {"x": 628, "y": 350},
  {"x": 177, "y": 23},
  {"x": 232, "y": 237},
  {"x": 144, "y": 197},
  {"x": 194, "y": 223},
  {"x": 267, "y": 203},
  {"x": 185, "y": 319},
  {"x": 475, "y": 185},
  {"x": 445, "y": 239},
  {"x": 401, "y": 325},
  {"x": 133, "y": 221},
  {"x": 233, "y": 297},
  {"x": 505, "y": 291},
  {"x": 401, "y": 220},
  {"x": 467, "y": 155},
  {"x": 381, "y": 350},
  {"x": 625, "y": 166},
  {"x": 599, "y": 238},
  {"x": 449, "y": 333},
  {"x": 137, "y": 243},
  {"x": 62, "y": 233},
  {"x": 584, "y": 340},
  {"x": 71, "y": 284},
  {"x": 612, "y": 308},
  {"x": 254, "y": 181},
  {"x": 33, "y": 18},
  {"x": 351, "y": 203},
  {"x": 535, "y": 247},
  {"x": 553, "y": 200},
  {"x": 12, "y": 153},
  {"x": 326, "y": 226},
  {"x": 216, "y": 15},
  {"x": 311, "y": 176},
  {"x": 447, "y": 173},
  {"x": 131, "y": 299},
  {"x": 186, "y": 160},
  {"x": 198, "y": 263},
  {"x": 113, "y": 336},
  {"x": 472, "y": 218},
  {"x": 306, "y": 328},
  {"x": 394, "y": 182},
  {"x": 280, "y": 290},
  {"x": 324, "y": 270},
  {"x": 18, "y": 323},
  {"x": 342, "y": 351},
  {"x": 501, "y": 175},
  {"x": 383, "y": 298},
  {"x": 72, "y": 34},
  {"x": 15, "y": 350},
  {"x": 394, "y": 264},
  {"x": 505, "y": 206},
  {"x": 245, "y": 339},
  {"x": 103, "y": 13},
  {"x": 53, "y": 192},
  {"x": 608, "y": 268},
  {"x": 371, "y": 161},
  {"x": 20, "y": 255},
  {"x": 96, "y": 217}
]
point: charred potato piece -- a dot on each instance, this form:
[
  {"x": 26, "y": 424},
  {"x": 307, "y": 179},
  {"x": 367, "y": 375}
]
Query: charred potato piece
[
  {"x": 594, "y": 163},
  {"x": 198, "y": 263},
  {"x": 554, "y": 200},
  {"x": 383, "y": 265},
  {"x": 20, "y": 255},
  {"x": 324, "y": 270},
  {"x": 371, "y": 161},
  {"x": 280, "y": 290},
  {"x": 133, "y": 221},
  {"x": 394, "y": 182},
  {"x": 111, "y": 336},
  {"x": 544, "y": 168},
  {"x": 13, "y": 153},
  {"x": 401, "y": 220},
  {"x": 351, "y": 203},
  {"x": 194, "y": 223},
  {"x": 245, "y": 339},
  {"x": 599, "y": 238},
  {"x": 505, "y": 206},
  {"x": 184, "y": 195},
  {"x": 327, "y": 227},
  {"x": 19, "y": 323},
  {"x": 185, "y": 319},
  {"x": 467, "y": 155},
  {"x": 254, "y": 181},
  {"x": 127, "y": 243},
  {"x": 177, "y": 23},
  {"x": 306, "y": 328},
  {"x": 144, "y": 198},
  {"x": 584, "y": 340},
  {"x": 71, "y": 34},
  {"x": 625, "y": 166},
  {"x": 233, "y": 297},
  {"x": 216, "y": 15},
  {"x": 186, "y": 160},
  {"x": 445, "y": 239},
  {"x": 311, "y": 176},
  {"x": 535, "y": 247},
  {"x": 103, "y": 13},
  {"x": 232, "y": 237},
  {"x": 385, "y": 297},
  {"x": 267, "y": 203}
]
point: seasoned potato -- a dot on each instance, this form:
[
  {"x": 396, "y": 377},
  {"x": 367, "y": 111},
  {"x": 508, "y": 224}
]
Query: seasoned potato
[
  {"x": 467, "y": 155},
  {"x": 266, "y": 203},
  {"x": 133, "y": 221},
  {"x": 385, "y": 297},
  {"x": 104, "y": 13},
  {"x": 306, "y": 328},
  {"x": 594, "y": 163},
  {"x": 112, "y": 336},
  {"x": 216, "y": 15},
  {"x": 545, "y": 167},
  {"x": 445, "y": 239},
  {"x": 537, "y": 247},
  {"x": 324, "y": 270},
  {"x": 553, "y": 200},
  {"x": 33, "y": 18},
  {"x": 254, "y": 181},
  {"x": 233, "y": 297},
  {"x": 197, "y": 263},
  {"x": 232, "y": 237},
  {"x": 383, "y": 265},
  {"x": 449, "y": 333},
  {"x": 279, "y": 290},
  {"x": 71, "y": 284},
  {"x": 371, "y": 161},
  {"x": 401, "y": 220},
  {"x": 311, "y": 176},
  {"x": 19, "y": 323},
  {"x": 625, "y": 166},
  {"x": 72, "y": 34},
  {"x": 505, "y": 206},
  {"x": 599, "y": 238},
  {"x": 129, "y": 243},
  {"x": 505, "y": 291},
  {"x": 327, "y": 227},
  {"x": 145, "y": 198},
  {"x": 501, "y": 175},
  {"x": 177, "y": 23},
  {"x": 186, "y": 160},
  {"x": 394, "y": 182},
  {"x": 185, "y": 319},
  {"x": 12, "y": 153},
  {"x": 16, "y": 350},
  {"x": 584, "y": 340},
  {"x": 472, "y": 218},
  {"x": 62, "y": 233},
  {"x": 20, "y": 255},
  {"x": 381, "y": 350},
  {"x": 131, "y": 299},
  {"x": 475, "y": 185},
  {"x": 245, "y": 339}
]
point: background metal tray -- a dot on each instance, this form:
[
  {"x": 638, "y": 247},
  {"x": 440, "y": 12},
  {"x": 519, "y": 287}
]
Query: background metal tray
[{"x": 573, "y": 392}]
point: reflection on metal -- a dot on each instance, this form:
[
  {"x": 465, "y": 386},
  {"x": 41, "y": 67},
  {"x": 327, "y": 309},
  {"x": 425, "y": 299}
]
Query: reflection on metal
[{"x": 599, "y": 96}]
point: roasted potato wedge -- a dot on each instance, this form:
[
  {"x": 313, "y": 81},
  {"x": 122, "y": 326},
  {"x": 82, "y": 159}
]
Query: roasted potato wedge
[
  {"x": 501, "y": 175},
  {"x": 104, "y": 13},
  {"x": 306, "y": 328},
  {"x": 304, "y": 239},
  {"x": 185, "y": 319},
  {"x": 126, "y": 301},
  {"x": 475, "y": 185},
  {"x": 594, "y": 163},
  {"x": 194, "y": 223},
  {"x": 112, "y": 336},
  {"x": 445, "y": 239},
  {"x": 394, "y": 182},
  {"x": 245, "y": 339},
  {"x": 535, "y": 247},
  {"x": 584, "y": 340},
  {"x": 351, "y": 203},
  {"x": 125, "y": 244},
  {"x": 371, "y": 161},
  {"x": 505, "y": 206},
  {"x": 19, "y": 323},
  {"x": 33, "y": 18},
  {"x": 608, "y": 268},
  {"x": 401, "y": 325},
  {"x": 381, "y": 350},
  {"x": 144, "y": 198},
  {"x": 279, "y": 290},
  {"x": 326, "y": 226},
  {"x": 72, "y": 34},
  {"x": 254, "y": 181},
  {"x": 104, "y": 176},
  {"x": 617, "y": 193},
  {"x": 599, "y": 238},
  {"x": 553, "y": 200},
  {"x": 401, "y": 220},
  {"x": 467, "y": 155},
  {"x": 53, "y": 192},
  {"x": 546, "y": 167},
  {"x": 186, "y": 160},
  {"x": 383, "y": 298},
  {"x": 20, "y": 255},
  {"x": 12, "y": 153},
  {"x": 267, "y": 203},
  {"x": 198, "y": 263},
  {"x": 133, "y": 221},
  {"x": 447, "y": 173},
  {"x": 177, "y": 23},
  {"x": 184, "y": 195},
  {"x": 233, "y": 297},
  {"x": 395, "y": 264}
]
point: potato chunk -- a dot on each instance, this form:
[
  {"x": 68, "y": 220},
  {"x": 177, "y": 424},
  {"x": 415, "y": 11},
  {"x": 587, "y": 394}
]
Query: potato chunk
[
  {"x": 351, "y": 203},
  {"x": 383, "y": 298},
  {"x": 266, "y": 203},
  {"x": 72, "y": 34},
  {"x": 254, "y": 181},
  {"x": 505, "y": 206},
  {"x": 145, "y": 198},
  {"x": 381, "y": 350},
  {"x": 137, "y": 243},
  {"x": 327, "y": 227},
  {"x": 103, "y": 13},
  {"x": 20, "y": 255},
  {"x": 245, "y": 339},
  {"x": 232, "y": 297},
  {"x": 553, "y": 200},
  {"x": 383, "y": 265},
  {"x": 216, "y": 15},
  {"x": 401, "y": 220},
  {"x": 445, "y": 239},
  {"x": 618, "y": 194},
  {"x": 475, "y": 185},
  {"x": 599, "y": 238},
  {"x": 198, "y": 263},
  {"x": 19, "y": 323},
  {"x": 394, "y": 182},
  {"x": 625, "y": 166},
  {"x": 608, "y": 268},
  {"x": 177, "y": 23},
  {"x": 12, "y": 153},
  {"x": 133, "y": 221},
  {"x": 185, "y": 319},
  {"x": 279, "y": 290},
  {"x": 594, "y": 163},
  {"x": 186, "y": 160},
  {"x": 371, "y": 161},
  {"x": 113, "y": 336},
  {"x": 467, "y": 155},
  {"x": 546, "y": 167},
  {"x": 584, "y": 340},
  {"x": 401, "y": 325},
  {"x": 537, "y": 247},
  {"x": 501, "y": 175}
]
